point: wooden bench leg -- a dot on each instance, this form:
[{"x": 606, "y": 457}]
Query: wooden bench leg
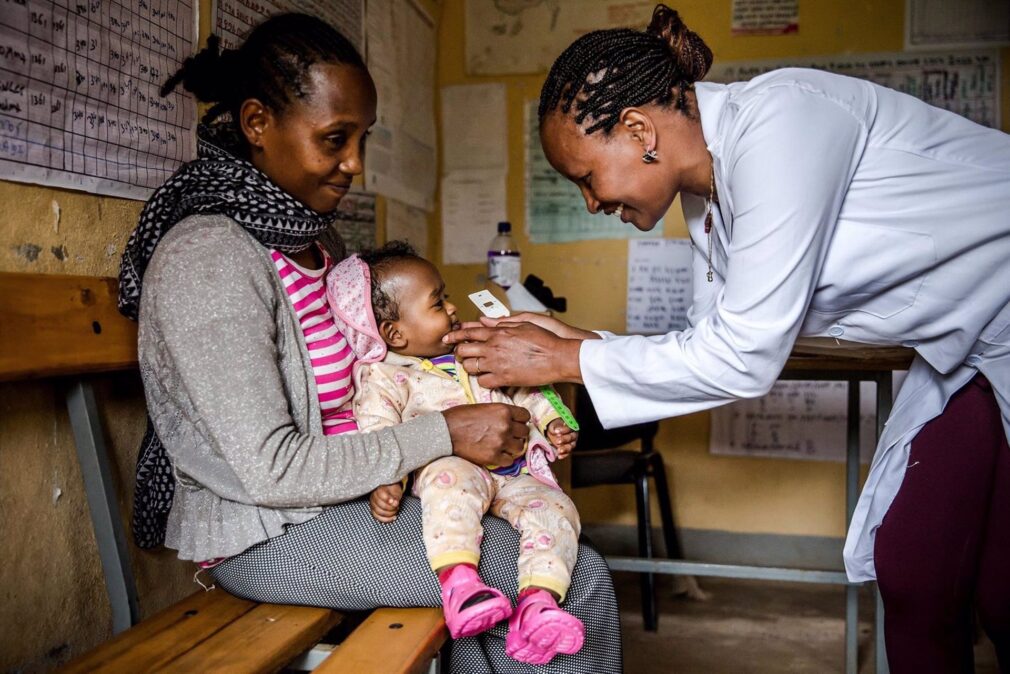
[{"x": 101, "y": 492}]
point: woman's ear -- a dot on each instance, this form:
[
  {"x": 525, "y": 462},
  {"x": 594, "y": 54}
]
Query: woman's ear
[
  {"x": 392, "y": 335},
  {"x": 254, "y": 119},
  {"x": 639, "y": 127}
]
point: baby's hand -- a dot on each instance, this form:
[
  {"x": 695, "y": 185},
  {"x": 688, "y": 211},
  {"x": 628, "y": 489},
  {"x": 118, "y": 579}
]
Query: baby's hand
[
  {"x": 385, "y": 501},
  {"x": 562, "y": 437}
]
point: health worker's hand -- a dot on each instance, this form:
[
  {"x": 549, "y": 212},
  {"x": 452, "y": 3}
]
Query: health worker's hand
[{"x": 516, "y": 354}]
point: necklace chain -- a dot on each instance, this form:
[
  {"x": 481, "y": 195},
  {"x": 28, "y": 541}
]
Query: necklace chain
[{"x": 708, "y": 221}]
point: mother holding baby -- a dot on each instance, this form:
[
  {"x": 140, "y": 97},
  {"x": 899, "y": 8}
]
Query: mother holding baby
[
  {"x": 818, "y": 205},
  {"x": 250, "y": 466}
]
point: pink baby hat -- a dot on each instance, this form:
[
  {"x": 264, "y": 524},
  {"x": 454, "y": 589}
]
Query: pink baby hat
[{"x": 349, "y": 292}]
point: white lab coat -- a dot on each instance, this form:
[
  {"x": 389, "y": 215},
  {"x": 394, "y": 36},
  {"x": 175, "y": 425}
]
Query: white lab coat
[{"x": 846, "y": 210}]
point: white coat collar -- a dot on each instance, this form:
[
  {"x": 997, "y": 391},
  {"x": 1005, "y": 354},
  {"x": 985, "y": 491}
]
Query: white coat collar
[{"x": 712, "y": 100}]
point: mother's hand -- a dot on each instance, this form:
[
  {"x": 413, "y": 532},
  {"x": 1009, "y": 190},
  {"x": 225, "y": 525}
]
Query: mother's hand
[
  {"x": 516, "y": 354},
  {"x": 488, "y": 433}
]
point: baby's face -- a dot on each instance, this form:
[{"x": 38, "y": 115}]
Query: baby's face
[{"x": 426, "y": 314}]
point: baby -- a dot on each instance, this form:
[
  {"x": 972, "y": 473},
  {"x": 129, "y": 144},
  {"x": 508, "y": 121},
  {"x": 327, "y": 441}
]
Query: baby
[{"x": 394, "y": 307}]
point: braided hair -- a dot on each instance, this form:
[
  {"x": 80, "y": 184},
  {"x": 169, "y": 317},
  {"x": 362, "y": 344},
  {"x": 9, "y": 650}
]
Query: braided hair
[
  {"x": 272, "y": 65},
  {"x": 381, "y": 260},
  {"x": 606, "y": 71}
]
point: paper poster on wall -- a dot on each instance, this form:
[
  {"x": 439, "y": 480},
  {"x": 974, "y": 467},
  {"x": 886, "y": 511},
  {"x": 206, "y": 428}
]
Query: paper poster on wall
[
  {"x": 406, "y": 223},
  {"x": 80, "y": 106},
  {"x": 474, "y": 127},
  {"x": 765, "y": 17},
  {"x": 235, "y": 18},
  {"x": 963, "y": 82},
  {"x": 555, "y": 209},
  {"x": 796, "y": 420},
  {"x": 473, "y": 203},
  {"x": 356, "y": 221},
  {"x": 659, "y": 285},
  {"x": 931, "y": 24},
  {"x": 401, "y": 57},
  {"x": 525, "y": 36}
]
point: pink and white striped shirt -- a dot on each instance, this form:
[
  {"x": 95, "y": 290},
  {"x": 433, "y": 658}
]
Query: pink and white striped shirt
[{"x": 331, "y": 355}]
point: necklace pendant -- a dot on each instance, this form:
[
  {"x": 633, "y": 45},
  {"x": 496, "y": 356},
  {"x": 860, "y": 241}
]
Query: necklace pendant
[
  {"x": 709, "y": 276},
  {"x": 708, "y": 222}
]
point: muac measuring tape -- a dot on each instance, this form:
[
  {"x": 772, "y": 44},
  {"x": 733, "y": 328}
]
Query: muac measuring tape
[{"x": 492, "y": 307}]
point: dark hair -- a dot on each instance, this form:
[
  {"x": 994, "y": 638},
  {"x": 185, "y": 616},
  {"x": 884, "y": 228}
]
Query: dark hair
[
  {"x": 380, "y": 260},
  {"x": 271, "y": 65},
  {"x": 605, "y": 71}
]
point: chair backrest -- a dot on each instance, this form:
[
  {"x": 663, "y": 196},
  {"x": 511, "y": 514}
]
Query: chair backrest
[
  {"x": 592, "y": 434},
  {"x": 52, "y": 324}
]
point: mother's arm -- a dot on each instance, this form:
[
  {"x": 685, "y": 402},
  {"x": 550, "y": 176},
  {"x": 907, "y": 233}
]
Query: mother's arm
[{"x": 211, "y": 343}]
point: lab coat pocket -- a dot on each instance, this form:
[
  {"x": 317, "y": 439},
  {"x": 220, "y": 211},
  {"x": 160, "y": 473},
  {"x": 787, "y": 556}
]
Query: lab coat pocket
[{"x": 873, "y": 269}]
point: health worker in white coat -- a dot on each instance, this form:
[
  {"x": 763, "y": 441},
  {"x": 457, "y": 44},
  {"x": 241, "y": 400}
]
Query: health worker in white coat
[{"x": 818, "y": 205}]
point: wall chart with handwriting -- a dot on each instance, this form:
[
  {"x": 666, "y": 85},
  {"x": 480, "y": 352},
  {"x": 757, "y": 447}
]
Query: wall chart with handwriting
[
  {"x": 79, "y": 101},
  {"x": 964, "y": 82},
  {"x": 235, "y": 18}
]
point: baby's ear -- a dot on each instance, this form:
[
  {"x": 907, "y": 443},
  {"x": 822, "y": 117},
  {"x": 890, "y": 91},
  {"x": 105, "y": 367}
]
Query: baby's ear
[{"x": 391, "y": 334}]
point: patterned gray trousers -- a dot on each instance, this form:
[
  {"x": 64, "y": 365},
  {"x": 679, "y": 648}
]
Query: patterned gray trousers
[{"x": 344, "y": 559}]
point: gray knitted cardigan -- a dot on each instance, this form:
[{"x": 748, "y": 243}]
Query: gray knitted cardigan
[{"x": 230, "y": 389}]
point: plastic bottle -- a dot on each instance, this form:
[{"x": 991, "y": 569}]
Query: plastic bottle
[{"x": 503, "y": 262}]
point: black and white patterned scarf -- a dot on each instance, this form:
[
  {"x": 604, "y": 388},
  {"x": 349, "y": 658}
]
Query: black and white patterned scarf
[{"x": 216, "y": 182}]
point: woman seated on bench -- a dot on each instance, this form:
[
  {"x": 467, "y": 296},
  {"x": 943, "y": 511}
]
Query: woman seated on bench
[{"x": 245, "y": 468}]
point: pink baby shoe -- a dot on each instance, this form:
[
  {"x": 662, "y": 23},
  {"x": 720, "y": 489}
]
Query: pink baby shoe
[
  {"x": 470, "y": 606},
  {"x": 539, "y": 629}
]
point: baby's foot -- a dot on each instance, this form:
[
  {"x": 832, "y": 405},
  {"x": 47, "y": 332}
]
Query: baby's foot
[
  {"x": 539, "y": 629},
  {"x": 470, "y": 606}
]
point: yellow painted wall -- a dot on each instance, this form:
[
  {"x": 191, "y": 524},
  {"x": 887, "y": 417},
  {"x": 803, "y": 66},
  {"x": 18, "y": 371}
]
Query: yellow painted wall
[{"x": 723, "y": 493}]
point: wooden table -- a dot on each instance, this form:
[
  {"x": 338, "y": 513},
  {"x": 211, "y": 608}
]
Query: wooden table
[{"x": 818, "y": 360}]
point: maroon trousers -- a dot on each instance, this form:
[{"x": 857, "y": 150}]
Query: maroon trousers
[{"x": 943, "y": 549}]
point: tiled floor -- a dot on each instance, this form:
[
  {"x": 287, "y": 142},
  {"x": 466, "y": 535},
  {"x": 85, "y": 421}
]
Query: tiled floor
[{"x": 748, "y": 627}]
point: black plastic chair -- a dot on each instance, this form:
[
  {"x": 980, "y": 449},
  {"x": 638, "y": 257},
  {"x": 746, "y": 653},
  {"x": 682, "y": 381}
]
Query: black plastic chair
[{"x": 598, "y": 459}]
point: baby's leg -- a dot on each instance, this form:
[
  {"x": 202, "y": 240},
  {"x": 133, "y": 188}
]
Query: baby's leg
[
  {"x": 548, "y": 526},
  {"x": 454, "y": 495}
]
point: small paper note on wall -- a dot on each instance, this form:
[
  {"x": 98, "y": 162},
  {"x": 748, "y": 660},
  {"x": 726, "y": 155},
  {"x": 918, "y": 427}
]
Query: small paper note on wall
[{"x": 659, "y": 285}]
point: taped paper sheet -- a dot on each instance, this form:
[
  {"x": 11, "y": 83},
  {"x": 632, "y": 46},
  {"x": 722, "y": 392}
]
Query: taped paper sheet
[
  {"x": 659, "y": 286},
  {"x": 473, "y": 203},
  {"x": 406, "y": 223},
  {"x": 79, "y": 94},
  {"x": 474, "y": 127}
]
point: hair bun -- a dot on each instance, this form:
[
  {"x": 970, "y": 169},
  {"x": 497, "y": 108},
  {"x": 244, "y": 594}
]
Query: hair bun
[
  {"x": 209, "y": 74},
  {"x": 692, "y": 55}
]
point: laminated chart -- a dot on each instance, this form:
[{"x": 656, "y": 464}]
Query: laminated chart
[{"x": 79, "y": 101}]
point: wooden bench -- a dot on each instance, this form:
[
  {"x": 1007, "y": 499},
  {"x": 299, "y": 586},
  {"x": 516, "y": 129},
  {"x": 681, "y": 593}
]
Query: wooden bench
[{"x": 68, "y": 326}]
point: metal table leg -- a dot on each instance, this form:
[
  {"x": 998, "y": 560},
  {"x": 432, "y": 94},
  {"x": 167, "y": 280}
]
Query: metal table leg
[
  {"x": 851, "y": 494},
  {"x": 101, "y": 493}
]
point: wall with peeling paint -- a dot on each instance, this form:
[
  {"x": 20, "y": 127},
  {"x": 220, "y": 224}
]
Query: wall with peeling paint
[{"x": 53, "y": 595}]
